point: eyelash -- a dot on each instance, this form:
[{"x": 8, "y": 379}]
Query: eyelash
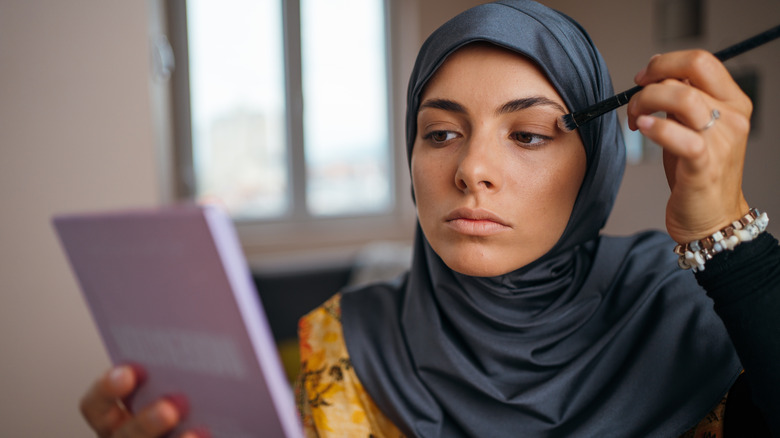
[
  {"x": 516, "y": 136},
  {"x": 430, "y": 136},
  {"x": 543, "y": 139}
]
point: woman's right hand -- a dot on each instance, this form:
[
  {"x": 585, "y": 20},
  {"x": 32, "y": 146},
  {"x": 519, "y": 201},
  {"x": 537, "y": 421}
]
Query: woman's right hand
[{"x": 103, "y": 409}]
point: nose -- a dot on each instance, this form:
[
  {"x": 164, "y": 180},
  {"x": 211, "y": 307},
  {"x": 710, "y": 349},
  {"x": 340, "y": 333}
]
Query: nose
[{"x": 480, "y": 166}]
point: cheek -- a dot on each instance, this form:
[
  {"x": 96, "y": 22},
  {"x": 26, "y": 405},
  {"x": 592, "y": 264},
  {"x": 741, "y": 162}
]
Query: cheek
[
  {"x": 427, "y": 179},
  {"x": 554, "y": 187},
  {"x": 545, "y": 191},
  {"x": 565, "y": 183},
  {"x": 574, "y": 174},
  {"x": 432, "y": 184}
]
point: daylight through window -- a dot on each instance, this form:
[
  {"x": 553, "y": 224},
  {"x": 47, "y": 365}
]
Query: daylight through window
[{"x": 246, "y": 129}]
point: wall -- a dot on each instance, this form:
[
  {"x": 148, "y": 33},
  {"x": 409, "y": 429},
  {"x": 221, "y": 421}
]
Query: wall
[{"x": 75, "y": 134}]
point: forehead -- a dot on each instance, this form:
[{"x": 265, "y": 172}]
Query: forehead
[{"x": 488, "y": 71}]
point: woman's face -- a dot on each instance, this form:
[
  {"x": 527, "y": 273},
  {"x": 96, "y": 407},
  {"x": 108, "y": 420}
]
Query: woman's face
[{"x": 494, "y": 178}]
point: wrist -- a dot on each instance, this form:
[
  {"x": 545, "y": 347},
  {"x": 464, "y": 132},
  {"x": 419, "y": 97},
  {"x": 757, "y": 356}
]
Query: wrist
[{"x": 693, "y": 255}]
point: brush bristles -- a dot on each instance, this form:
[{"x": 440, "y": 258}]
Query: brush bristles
[{"x": 566, "y": 123}]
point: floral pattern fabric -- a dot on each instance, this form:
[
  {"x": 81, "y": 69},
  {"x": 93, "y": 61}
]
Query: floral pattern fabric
[
  {"x": 330, "y": 398},
  {"x": 333, "y": 403}
]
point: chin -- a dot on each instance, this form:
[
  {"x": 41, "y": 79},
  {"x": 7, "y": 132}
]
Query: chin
[
  {"x": 484, "y": 257},
  {"x": 480, "y": 266},
  {"x": 481, "y": 272}
]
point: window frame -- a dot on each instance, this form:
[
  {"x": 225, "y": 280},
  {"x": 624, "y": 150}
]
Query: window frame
[{"x": 298, "y": 230}]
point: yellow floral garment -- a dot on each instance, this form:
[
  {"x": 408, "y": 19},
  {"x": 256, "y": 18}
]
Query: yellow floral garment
[
  {"x": 331, "y": 400},
  {"x": 333, "y": 403}
]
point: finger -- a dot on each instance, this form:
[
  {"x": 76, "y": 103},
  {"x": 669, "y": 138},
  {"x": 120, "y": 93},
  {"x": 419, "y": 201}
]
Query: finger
[
  {"x": 688, "y": 158},
  {"x": 701, "y": 68},
  {"x": 676, "y": 139},
  {"x": 101, "y": 405},
  {"x": 687, "y": 104},
  {"x": 153, "y": 421}
]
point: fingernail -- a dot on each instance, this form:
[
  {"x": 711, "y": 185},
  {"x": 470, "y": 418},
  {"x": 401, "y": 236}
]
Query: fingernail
[
  {"x": 139, "y": 372},
  {"x": 163, "y": 415},
  {"x": 180, "y": 402},
  {"x": 119, "y": 375},
  {"x": 640, "y": 75},
  {"x": 645, "y": 122}
]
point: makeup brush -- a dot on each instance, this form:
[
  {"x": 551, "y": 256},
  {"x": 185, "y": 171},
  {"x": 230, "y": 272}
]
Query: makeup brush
[{"x": 570, "y": 122}]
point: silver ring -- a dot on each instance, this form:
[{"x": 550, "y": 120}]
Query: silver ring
[{"x": 714, "y": 116}]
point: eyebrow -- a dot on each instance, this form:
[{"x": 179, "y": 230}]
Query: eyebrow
[
  {"x": 528, "y": 102},
  {"x": 509, "y": 107},
  {"x": 444, "y": 104}
]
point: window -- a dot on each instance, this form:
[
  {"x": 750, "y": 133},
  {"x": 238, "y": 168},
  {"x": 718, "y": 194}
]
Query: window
[
  {"x": 345, "y": 117},
  {"x": 282, "y": 113},
  {"x": 253, "y": 92},
  {"x": 237, "y": 106}
]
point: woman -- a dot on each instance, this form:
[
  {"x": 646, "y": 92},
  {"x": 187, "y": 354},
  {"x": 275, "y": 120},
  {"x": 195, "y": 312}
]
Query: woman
[{"x": 516, "y": 317}]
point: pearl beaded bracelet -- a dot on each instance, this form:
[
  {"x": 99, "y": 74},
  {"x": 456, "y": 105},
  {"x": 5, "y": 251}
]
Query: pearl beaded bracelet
[{"x": 693, "y": 255}]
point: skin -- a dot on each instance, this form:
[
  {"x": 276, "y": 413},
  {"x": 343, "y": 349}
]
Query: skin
[
  {"x": 703, "y": 168},
  {"x": 481, "y": 166},
  {"x": 494, "y": 178},
  {"x": 101, "y": 406}
]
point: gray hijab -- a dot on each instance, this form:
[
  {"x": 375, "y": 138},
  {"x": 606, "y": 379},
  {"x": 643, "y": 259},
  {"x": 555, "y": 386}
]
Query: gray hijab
[{"x": 599, "y": 337}]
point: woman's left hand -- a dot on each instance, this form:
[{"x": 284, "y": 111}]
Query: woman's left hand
[{"x": 703, "y": 156}]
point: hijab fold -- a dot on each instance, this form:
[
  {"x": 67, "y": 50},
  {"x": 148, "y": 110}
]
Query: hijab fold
[{"x": 601, "y": 336}]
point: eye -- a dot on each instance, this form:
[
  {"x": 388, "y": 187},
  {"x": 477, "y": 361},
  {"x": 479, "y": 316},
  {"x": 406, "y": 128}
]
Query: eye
[
  {"x": 440, "y": 137},
  {"x": 527, "y": 138}
]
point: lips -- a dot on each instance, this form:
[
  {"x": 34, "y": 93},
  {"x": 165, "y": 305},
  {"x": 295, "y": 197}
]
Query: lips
[{"x": 475, "y": 222}]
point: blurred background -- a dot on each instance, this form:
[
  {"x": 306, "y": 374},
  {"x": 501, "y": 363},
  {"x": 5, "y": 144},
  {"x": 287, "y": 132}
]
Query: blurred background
[{"x": 100, "y": 109}]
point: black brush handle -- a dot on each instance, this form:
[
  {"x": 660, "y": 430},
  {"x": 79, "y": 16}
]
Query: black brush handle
[
  {"x": 621, "y": 99},
  {"x": 605, "y": 106},
  {"x": 750, "y": 43}
]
